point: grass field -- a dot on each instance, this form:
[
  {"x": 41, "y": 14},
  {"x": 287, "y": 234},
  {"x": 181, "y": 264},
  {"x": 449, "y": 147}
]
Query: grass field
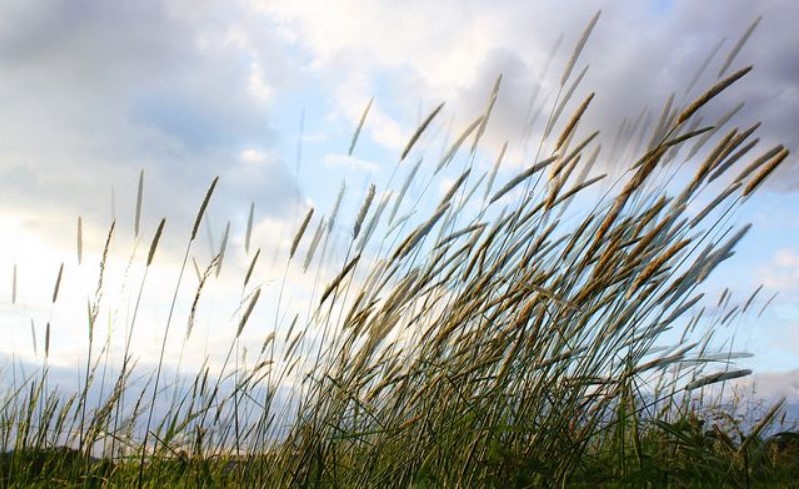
[{"x": 519, "y": 345}]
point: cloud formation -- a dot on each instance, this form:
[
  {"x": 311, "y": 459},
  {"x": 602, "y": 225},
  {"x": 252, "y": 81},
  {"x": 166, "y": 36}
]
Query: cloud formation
[
  {"x": 94, "y": 91},
  {"x": 638, "y": 54}
]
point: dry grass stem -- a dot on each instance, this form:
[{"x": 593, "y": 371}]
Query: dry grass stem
[
  {"x": 495, "y": 170},
  {"x": 80, "y": 240},
  {"x": 766, "y": 171},
  {"x": 572, "y": 124},
  {"x": 250, "y": 268},
  {"x": 360, "y": 126},
  {"x": 156, "y": 238},
  {"x": 247, "y": 312},
  {"x": 139, "y": 198},
  {"x": 710, "y": 94},
  {"x": 738, "y": 46},
  {"x": 492, "y": 99},
  {"x": 457, "y": 144},
  {"x": 300, "y": 232},
  {"x": 341, "y": 276},
  {"x": 420, "y": 130},
  {"x": 578, "y": 48},
  {"x": 222, "y": 249},
  {"x": 58, "y": 282},
  {"x": 367, "y": 202},
  {"x": 521, "y": 177},
  {"x": 248, "y": 232}
]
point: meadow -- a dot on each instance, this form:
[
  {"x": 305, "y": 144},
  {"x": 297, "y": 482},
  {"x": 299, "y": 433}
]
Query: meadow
[{"x": 518, "y": 345}]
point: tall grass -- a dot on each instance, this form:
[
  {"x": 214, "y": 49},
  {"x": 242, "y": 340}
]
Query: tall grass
[{"x": 519, "y": 344}]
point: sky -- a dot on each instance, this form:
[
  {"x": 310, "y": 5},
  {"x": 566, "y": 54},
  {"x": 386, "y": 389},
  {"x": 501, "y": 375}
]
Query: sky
[{"x": 267, "y": 94}]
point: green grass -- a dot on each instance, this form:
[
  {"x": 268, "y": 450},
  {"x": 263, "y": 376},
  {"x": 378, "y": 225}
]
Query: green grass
[{"x": 514, "y": 346}]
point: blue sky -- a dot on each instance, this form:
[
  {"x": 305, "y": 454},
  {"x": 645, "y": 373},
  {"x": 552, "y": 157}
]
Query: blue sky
[{"x": 93, "y": 92}]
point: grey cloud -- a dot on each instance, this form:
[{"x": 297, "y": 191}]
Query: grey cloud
[
  {"x": 93, "y": 91},
  {"x": 770, "y": 387},
  {"x": 642, "y": 60},
  {"x": 639, "y": 53}
]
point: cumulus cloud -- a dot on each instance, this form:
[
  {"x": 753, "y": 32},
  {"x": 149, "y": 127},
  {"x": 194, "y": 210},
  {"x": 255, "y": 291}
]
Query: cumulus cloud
[
  {"x": 350, "y": 162},
  {"x": 775, "y": 385},
  {"x": 95, "y": 91},
  {"x": 639, "y": 53},
  {"x": 783, "y": 271}
]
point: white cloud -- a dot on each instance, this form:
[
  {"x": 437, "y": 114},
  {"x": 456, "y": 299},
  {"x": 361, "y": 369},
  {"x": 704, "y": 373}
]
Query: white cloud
[
  {"x": 253, "y": 156},
  {"x": 185, "y": 89},
  {"x": 257, "y": 86},
  {"x": 350, "y": 163},
  {"x": 774, "y": 385},
  {"x": 783, "y": 272},
  {"x": 416, "y": 54},
  {"x": 787, "y": 258}
]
